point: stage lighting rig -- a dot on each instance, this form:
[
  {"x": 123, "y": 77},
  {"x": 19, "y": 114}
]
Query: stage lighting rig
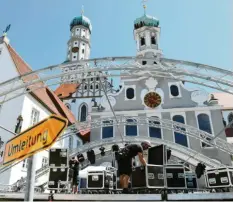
[
  {"x": 115, "y": 148},
  {"x": 200, "y": 169},
  {"x": 80, "y": 157},
  {"x": 91, "y": 156},
  {"x": 102, "y": 152}
]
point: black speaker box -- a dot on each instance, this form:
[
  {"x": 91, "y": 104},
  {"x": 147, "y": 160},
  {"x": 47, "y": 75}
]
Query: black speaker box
[
  {"x": 175, "y": 176},
  {"x": 58, "y": 157},
  {"x": 157, "y": 155},
  {"x": 59, "y": 174},
  {"x": 138, "y": 177}
]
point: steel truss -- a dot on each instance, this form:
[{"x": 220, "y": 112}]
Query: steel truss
[
  {"x": 187, "y": 130},
  {"x": 184, "y": 151},
  {"x": 74, "y": 72}
]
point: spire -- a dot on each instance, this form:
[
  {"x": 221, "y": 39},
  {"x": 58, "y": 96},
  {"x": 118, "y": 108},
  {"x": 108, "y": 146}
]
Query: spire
[
  {"x": 144, "y": 6},
  {"x": 82, "y": 11}
]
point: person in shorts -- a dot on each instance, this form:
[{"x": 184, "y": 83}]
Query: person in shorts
[{"x": 125, "y": 161}]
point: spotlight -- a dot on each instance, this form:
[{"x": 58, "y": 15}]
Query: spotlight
[
  {"x": 80, "y": 157},
  {"x": 91, "y": 156},
  {"x": 115, "y": 148},
  {"x": 200, "y": 169},
  {"x": 102, "y": 151}
]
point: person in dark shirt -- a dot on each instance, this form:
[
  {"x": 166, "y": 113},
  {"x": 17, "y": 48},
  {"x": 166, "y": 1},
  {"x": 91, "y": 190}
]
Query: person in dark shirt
[
  {"x": 125, "y": 162},
  {"x": 74, "y": 165}
]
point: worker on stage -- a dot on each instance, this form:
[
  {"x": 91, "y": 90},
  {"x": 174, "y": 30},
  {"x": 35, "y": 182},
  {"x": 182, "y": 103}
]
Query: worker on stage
[{"x": 124, "y": 159}]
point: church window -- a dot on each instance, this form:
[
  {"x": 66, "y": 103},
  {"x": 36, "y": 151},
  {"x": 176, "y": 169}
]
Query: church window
[
  {"x": 83, "y": 112},
  {"x": 179, "y": 137},
  {"x": 77, "y": 29},
  {"x": 75, "y": 43},
  {"x": 143, "y": 41},
  {"x": 130, "y": 93},
  {"x": 144, "y": 62},
  {"x": 74, "y": 56},
  {"x": 153, "y": 41},
  {"x": 91, "y": 87},
  {"x": 91, "y": 79},
  {"x": 85, "y": 87},
  {"x": 97, "y": 87},
  {"x": 155, "y": 131},
  {"x": 107, "y": 131},
  {"x": 174, "y": 90},
  {"x": 131, "y": 130},
  {"x": 82, "y": 50},
  {"x": 34, "y": 117},
  {"x": 204, "y": 125},
  {"x": 97, "y": 79}
]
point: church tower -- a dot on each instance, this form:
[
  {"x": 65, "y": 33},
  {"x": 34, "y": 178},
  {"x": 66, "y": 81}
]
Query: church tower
[
  {"x": 79, "y": 42},
  {"x": 146, "y": 34}
]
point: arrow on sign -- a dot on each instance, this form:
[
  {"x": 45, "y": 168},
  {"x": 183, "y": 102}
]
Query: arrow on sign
[{"x": 37, "y": 138}]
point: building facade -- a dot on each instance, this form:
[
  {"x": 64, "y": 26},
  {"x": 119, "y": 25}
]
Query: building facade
[{"x": 24, "y": 111}]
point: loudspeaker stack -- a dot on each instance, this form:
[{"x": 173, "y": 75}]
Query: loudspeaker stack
[{"x": 59, "y": 173}]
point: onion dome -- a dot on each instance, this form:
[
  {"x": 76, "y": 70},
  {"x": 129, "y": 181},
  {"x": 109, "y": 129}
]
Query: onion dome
[
  {"x": 146, "y": 20},
  {"x": 81, "y": 20}
]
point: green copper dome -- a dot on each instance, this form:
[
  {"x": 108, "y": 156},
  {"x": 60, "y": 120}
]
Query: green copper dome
[
  {"x": 81, "y": 20},
  {"x": 146, "y": 20}
]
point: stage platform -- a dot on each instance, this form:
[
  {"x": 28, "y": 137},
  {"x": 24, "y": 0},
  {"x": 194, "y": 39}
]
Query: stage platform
[{"x": 122, "y": 197}]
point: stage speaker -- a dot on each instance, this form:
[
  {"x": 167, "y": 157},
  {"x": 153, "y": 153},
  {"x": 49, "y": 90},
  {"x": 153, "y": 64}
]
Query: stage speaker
[
  {"x": 59, "y": 174},
  {"x": 157, "y": 155},
  {"x": 58, "y": 157},
  {"x": 138, "y": 177},
  {"x": 175, "y": 176},
  {"x": 91, "y": 156}
]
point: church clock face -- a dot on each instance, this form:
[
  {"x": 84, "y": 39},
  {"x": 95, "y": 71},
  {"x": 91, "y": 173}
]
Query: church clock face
[{"x": 152, "y": 100}]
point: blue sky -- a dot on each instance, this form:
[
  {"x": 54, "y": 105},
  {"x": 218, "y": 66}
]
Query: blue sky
[{"x": 194, "y": 30}]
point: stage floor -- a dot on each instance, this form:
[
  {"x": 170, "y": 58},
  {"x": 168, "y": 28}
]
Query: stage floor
[{"x": 122, "y": 197}]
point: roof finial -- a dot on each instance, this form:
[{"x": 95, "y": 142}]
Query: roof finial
[
  {"x": 144, "y": 6},
  {"x": 82, "y": 11},
  {"x": 6, "y": 30}
]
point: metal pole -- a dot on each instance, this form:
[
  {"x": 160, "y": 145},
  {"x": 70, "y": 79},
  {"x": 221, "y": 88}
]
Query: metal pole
[{"x": 29, "y": 193}]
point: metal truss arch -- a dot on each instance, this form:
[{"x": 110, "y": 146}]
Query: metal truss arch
[
  {"x": 205, "y": 75},
  {"x": 184, "y": 153},
  {"x": 184, "y": 129}
]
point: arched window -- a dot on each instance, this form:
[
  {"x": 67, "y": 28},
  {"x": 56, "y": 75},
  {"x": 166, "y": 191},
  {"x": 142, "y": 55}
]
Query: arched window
[
  {"x": 155, "y": 131},
  {"x": 130, "y": 93},
  {"x": 142, "y": 41},
  {"x": 107, "y": 131},
  {"x": 83, "y": 113},
  {"x": 153, "y": 41},
  {"x": 180, "y": 138},
  {"x": 204, "y": 124},
  {"x": 131, "y": 130},
  {"x": 174, "y": 90}
]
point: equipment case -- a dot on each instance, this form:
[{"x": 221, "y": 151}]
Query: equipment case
[
  {"x": 220, "y": 177},
  {"x": 155, "y": 176},
  {"x": 59, "y": 178},
  {"x": 100, "y": 179},
  {"x": 58, "y": 157},
  {"x": 175, "y": 176}
]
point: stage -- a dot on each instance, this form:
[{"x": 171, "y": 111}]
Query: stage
[{"x": 121, "y": 197}]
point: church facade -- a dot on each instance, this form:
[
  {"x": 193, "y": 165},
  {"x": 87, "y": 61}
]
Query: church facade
[{"x": 144, "y": 96}]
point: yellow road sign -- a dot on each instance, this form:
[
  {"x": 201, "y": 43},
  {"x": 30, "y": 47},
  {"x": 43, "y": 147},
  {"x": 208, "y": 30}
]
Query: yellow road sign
[{"x": 36, "y": 138}]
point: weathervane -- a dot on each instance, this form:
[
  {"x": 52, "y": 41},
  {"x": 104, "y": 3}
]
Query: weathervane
[
  {"x": 144, "y": 6},
  {"x": 82, "y": 11},
  {"x": 6, "y": 30}
]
